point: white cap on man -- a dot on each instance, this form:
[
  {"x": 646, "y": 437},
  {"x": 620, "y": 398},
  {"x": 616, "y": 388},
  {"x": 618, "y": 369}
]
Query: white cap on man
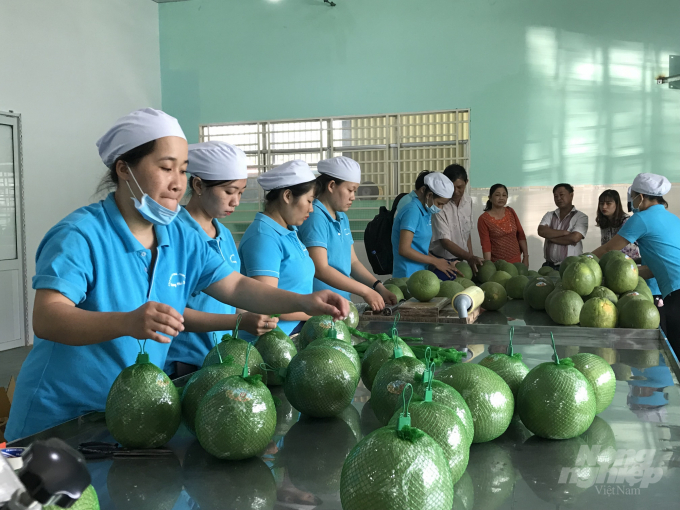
[
  {"x": 135, "y": 129},
  {"x": 439, "y": 184},
  {"x": 217, "y": 161},
  {"x": 651, "y": 184},
  {"x": 286, "y": 175},
  {"x": 341, "y": 167}
]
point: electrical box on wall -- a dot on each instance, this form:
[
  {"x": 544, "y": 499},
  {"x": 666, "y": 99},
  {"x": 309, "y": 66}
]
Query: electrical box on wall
[{"x": 673, "y": 80}]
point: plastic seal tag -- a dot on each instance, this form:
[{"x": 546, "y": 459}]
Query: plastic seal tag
[
  {"x": 428, "y": 374},
  {"x": 428, "y": 389},
  {"x": 398, "y": 352},
  {"x": 332, "y": 332},
  {"x": 510, "y": 348},
  {"x": 283, "y": 372},
  {"x": 405, "y": 417},
  {"x": 238, "y": 322},
  {"x": 245, "y": 365}
]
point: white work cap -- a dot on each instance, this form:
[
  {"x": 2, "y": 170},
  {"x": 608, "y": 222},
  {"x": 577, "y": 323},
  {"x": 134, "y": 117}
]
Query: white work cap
[
  {"x": 341, "y": 168},
  {"x": 217, "y": 161},
  {"x": 136, "y": 129},
  {"x": 287, "y": 175},
  {"x": 439, "y": 184},
  {"x": 651, "y": 184}
]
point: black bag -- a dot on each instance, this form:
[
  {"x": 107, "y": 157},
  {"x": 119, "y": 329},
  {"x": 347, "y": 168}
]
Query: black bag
[{"x": 378, "y": 238}]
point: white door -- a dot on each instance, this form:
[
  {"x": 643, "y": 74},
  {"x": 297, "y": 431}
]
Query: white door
[{"x": 12, "y": 280}]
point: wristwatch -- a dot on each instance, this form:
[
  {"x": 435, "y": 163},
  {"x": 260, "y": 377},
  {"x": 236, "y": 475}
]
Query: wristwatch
[{"x": 375, "y": 284}]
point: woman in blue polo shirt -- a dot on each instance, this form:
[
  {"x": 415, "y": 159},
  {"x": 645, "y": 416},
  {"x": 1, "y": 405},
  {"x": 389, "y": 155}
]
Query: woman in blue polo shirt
[
  {"x": 121, "y": 270},
  {"x": 657, "y": 233},
  {"x": 327, "y": 236},
  {"x": 412, "y": 229},
  {"x": 270, "y": 249},
  {"x": 219, "y": 175}
]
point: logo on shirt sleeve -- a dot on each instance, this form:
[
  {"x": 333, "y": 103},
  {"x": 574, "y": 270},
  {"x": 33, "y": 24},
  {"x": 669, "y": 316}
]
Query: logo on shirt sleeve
[
  {"x": 177, "y": 280},
  {"x": 232, "y": 258}
]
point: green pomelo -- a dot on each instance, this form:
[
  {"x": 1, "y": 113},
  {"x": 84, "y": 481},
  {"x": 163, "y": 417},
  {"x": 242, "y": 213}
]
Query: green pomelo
[
  {"x": 548, "y": 300},
  {"x": 352, "y": 319},
  {"x": 495, "y": 295},
  {"x": 446, "y": 395},
  {"x": 443, "y": 425},
  {"x": 249, "y": 483},
  {"x": 600, "y": 376},
  {"x": 321, "y": 382},
  {"x": 450, "y": 288},
  {"x": 423, "y": 285},
  {"x": 640, "y": 314},
  {"x": 565, "y": 308},
  {"x": 465, "y": 282},
  {"x": 606, "y": 353},
  {"x": 377, "y": 354},
  {"x": 200, "y": 384},
  {"x": 522, "y": 270},
  {"x": 580, "y": 278},
  {"x": 544, "y": 477},
  {"x": 602, "y": 292},
  {"x": 598, "y": 313},
  {"x": 643, "y": 288},
  {"x": 486, "y": 271},
  {"x": 237, "y": 348},
  {"x": 515, "y": 286},
  {"x": 237, "y": 418},
  {"x": 314, "y": 451},
  {"x": 610, "y": 256},
  {"x": 630, "y": 296},
  {"x": 276, "y": 349},
  {"x": 87, "y": 501},
  {"x": 493, "y": 475},
  {"x": 343, "y": 347},
  {"x": 532, "y": 274},
  {"x": 591, "y": 256},
  {"x": 143, "y": 408},
  {"x": 464, "y": 268},
  {"x": 621, "y": 275},
  {"x": 487, "y": 395},
  {"x": 536, "y": 292},
  {"x": 319, "y": 327},
  {"x": 508, "y": 268},
  {"x": 545, "y": 270},
  {"x": 409, "y": 468},
  {"x": 500, "y": 277},
  {"x": 511, "y": 369},
  {"x": 395, "y": 281},
  {"x": 144, "y": 483},
  {"x": 594, "y": 267},
  {"x": 395, "y": 290},
  {"x": 554, "y": 275},
  {"x": 556, "y": 401},
  {"x": 390, "y": 382},
  {"x": 566, "y": 263}
]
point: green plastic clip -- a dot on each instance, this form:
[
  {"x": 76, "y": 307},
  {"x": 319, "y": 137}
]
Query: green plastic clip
[
  {"x": 398, "y": 352},
  {"x": 245, "y": 365},
  {"x": 332, "y": 333},
  {"x": 238, "y": 321},
  {"x": 405, "y": 418},
  {"x": 429, "y": 373},
  {"x": 557, "y": 358},
  {"x": 219, "y": 354},
  {"x": 143, "y": 356},
  {"x": 512, "y": 333},
  {"x": 428, "y": 389}
]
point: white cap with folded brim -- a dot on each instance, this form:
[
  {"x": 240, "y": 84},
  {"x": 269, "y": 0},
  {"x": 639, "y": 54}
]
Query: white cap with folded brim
[
  {"x": 439, "y": 184},
  {"x": 135, "y": 129},
  {"x": 341, "y": 168},
  {"x": 217, "y": 161},
  {"x": 287, "y": 175},
  {"x": 651, "y": 184}
]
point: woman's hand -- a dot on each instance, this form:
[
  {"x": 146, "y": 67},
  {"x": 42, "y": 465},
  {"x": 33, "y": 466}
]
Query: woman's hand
[
  {"x": 525, "y": 261},
  {"x": 151, "y": 319},
  {"x": 257, "y": 324},
  {"x": 445, "y": 266},
  {"x": 325, "y": 302},
  {"x": 389, "y": 297},
  {"x": 374, "y": 300}
]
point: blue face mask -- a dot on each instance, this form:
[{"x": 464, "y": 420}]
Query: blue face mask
[
  {"x": 433, "y": 209},
  {"x": 152, "y": 211},
  {"x": 635, "y": 209}
]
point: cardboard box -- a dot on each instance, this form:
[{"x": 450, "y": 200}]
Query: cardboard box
[{"x": 6, "y": 395}]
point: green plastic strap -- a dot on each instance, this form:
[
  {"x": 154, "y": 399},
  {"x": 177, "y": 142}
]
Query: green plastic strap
[
  {"x": 219, "y": 354},
  {"x": 512, "y": 333},
  {"x": 281, "y": 372},
  {"x": 398, "y": 352},
  {"x": 427, "y": 375},
  {"x": 238, "y": 322},
  {"x": 557, "y": 358},
  {"x": 245, "y": 365},
  {"x": 428, "y": 389},
  {"x": 405, "y": 418}
]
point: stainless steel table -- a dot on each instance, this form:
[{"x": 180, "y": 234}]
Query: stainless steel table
[{"x": 301, "y": 467}]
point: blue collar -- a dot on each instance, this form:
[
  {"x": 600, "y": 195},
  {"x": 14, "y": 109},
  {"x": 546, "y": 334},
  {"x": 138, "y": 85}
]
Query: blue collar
[
  {"x": 120, "y": 226},
  {"x": 278, "y": 228},
  {"x": 423, "y": 211},
  {"x": 338, "y": 215},
  {"x": 186, "y": 216}
]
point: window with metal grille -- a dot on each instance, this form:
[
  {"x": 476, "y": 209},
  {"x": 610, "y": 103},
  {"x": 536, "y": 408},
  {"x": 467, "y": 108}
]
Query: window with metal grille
[{"x": 391, "y": 150}]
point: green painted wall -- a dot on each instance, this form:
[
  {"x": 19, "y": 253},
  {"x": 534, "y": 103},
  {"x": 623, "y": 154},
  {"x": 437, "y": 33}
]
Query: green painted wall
[{"x": 559, "y": 91}]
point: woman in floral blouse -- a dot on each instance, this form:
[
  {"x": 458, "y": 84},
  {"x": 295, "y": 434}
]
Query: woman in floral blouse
[
  {"x": 610, "y": 218},
  {"x": 500, "y": 231}
]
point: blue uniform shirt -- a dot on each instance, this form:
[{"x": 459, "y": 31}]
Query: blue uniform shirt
[
  {"x": 192, "y": 348},
  {"x": 268, "y": 249},
  {"x": 92, "y": 258},
  {"x": 657, "y": 233},
  {"x": 322, "y": 230},
  {"x": 414, "y": 218},
  {"x": 406, "y": 199}
]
